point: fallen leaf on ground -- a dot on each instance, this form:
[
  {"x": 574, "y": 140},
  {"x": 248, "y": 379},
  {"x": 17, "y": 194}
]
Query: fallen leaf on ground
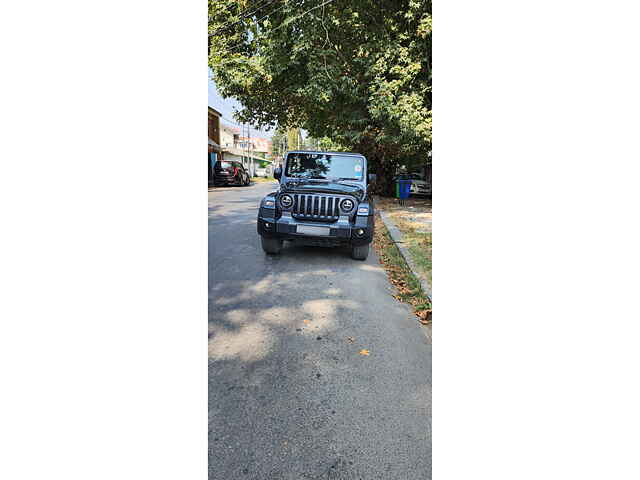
[
  {"x": 307, "y": 321},
  {"x": 364, "y": 352},
  {"x": 424, "y": 316}
]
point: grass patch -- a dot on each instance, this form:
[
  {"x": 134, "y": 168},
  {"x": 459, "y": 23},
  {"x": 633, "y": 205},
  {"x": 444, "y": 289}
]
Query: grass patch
[
  {"x": 408, "y": 288},
  {"x": 418, "y": 242},
  {"x": 263, "y": 179}
]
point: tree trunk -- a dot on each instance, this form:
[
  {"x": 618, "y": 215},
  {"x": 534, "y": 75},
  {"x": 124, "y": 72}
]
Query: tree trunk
[{"x": 384, "y": 181}]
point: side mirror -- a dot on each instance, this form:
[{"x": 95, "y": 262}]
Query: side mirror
[
  {"x": 277, "y": 173},
  {"x": 372, "y": 177}
]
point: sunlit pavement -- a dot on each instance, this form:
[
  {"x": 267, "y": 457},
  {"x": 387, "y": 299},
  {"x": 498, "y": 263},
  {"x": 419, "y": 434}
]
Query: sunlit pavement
[{"x": 290, "y": 396}]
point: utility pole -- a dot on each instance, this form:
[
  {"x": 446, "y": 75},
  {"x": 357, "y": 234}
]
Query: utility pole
[
  {"x": 283, "y": 146},
  {"x": 243, "y": 145},
  {"x": 249, "y": 147}
]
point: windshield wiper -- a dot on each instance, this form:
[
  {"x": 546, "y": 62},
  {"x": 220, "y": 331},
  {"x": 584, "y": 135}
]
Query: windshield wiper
[
  {"x": 309, "y": 177},
  {"x": 342, "y": 179}
]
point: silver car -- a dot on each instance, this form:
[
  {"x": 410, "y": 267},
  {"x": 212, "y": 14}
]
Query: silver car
[{"x": 418, "y": 185}]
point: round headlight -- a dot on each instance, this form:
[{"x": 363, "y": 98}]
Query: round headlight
[
  {"x": 286, "y": 201},
  {"x": 346, "y": 205}
]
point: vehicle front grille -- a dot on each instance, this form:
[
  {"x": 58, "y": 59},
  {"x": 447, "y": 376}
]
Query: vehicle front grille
[{"x": 321, "y": 208}]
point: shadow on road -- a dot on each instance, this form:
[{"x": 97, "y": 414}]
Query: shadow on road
[{"x": 290, "y": 397}]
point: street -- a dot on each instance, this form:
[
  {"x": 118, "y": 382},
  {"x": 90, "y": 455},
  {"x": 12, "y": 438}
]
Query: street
[{"x": 292, "y": 393}]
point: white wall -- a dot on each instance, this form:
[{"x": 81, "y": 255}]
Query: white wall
[{"x": 226, "y": 136}]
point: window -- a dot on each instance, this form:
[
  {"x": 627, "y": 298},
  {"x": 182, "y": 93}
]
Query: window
[
  {"x": 329, "y": 166},
  {"x": 223, "y": 165}
]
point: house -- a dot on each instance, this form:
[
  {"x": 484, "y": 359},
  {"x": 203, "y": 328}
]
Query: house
[
  {"x": 226, "y": 143},
  {"x": 229, "y": 136},
  {"x": 214, "y": 148},
  {"x": 263, "y": 147},
  {"x": 252, "y": 153}
]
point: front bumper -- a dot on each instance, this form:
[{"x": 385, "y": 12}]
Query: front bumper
[
  {"x": 344, "y": 231},
  {"x": 420, "y": 190}
]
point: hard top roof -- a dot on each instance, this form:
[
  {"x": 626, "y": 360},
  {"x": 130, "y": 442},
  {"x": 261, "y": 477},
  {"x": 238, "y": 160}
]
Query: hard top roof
[{"x": 324, "y": 151}]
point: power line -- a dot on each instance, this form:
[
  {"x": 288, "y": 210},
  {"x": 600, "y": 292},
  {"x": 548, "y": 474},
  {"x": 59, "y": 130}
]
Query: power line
[
  {"x": 242, "y": 125},
  {"x": 284, "y": 23},
  {"x": 262, "y": 18},
  {"x": 256, "y": 21},
  {"x": 287, "y": 22},
  {"x": 243, "y": 16}
]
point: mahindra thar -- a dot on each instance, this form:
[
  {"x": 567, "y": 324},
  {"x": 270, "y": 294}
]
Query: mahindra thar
[{"x": 323, "y": 200}]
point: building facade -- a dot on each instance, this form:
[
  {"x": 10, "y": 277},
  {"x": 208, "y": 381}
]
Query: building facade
[
  {"x": 252, "y": 153},
  {"x": 214, "y": 148},
  {"x": 226, "y": 143}
]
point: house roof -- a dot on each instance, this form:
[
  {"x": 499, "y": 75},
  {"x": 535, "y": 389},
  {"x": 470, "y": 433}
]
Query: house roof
[
  {"x": 243, "y": 153},
  {"x": 214, "y": 111},
  {"x": 260, "y": 144}
]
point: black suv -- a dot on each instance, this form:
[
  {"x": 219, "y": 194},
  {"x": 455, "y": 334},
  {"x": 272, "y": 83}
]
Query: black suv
[
  {"x": 230, "y": 173},
  {"x": 322, "y": 200}
]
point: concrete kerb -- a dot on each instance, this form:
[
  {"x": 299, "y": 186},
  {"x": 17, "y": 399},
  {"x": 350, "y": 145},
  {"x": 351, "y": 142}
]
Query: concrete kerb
[{"x": 396, "y": 235}]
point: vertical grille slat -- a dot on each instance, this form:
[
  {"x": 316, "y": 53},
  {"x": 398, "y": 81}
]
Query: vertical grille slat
[{"x": 316, "y": 207}]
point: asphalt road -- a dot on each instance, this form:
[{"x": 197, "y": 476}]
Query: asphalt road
[{"x": 290, "y": 397}]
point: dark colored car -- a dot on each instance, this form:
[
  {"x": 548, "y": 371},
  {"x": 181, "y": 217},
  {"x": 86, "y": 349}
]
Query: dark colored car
[
  {"x": 230, "y": 173},
  {"x": 323, "y": 200}
]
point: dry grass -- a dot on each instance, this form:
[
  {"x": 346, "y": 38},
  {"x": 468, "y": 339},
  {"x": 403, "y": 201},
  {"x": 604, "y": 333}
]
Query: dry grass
[
  {"x": 408, "y": 288},
  {"x": 417, "y": 239},
  {"x": 413, "y": 204},
  {"x": 414, "y": 221},
  {"x": 263, "y": 179}
]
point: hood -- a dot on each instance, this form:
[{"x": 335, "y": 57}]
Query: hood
[{"x": 322, "y": 186}]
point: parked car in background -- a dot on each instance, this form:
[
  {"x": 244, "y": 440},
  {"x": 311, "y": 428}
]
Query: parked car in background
[
  {"x": 264, "y": 171},
  {"x": 230, "y": 173},
  {"x": 418, "y": 185}
]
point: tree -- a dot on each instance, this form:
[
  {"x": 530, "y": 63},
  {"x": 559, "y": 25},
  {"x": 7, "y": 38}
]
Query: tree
[
  {"x": 279, "y": 142},
  {"x": 355, "y": 71},
  {"x": 294, "y": 138},
  {"x": 323, "y": 144}
]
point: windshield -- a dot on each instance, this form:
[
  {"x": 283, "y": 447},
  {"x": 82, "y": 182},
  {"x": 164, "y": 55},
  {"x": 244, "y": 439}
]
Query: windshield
[
  {"x": 223, "y": 165},
  {"x": 324, "y": 166}
]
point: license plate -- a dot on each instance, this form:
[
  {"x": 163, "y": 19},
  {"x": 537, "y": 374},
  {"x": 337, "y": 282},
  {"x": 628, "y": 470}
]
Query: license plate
[{"x": 318, "y": 231}]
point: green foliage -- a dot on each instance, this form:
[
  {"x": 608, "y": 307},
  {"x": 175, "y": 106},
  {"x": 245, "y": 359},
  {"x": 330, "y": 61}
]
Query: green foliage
[
  {"x": 279, "y": 142},
  {"x": 323, "y": 144},
  {"x": 356, "y": 72},
  {"x": 294, "y": 139}
]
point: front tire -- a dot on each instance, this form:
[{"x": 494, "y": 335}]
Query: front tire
[
  {"x": 361, "y": 252},
  {"x": 272, "y": 246}
]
